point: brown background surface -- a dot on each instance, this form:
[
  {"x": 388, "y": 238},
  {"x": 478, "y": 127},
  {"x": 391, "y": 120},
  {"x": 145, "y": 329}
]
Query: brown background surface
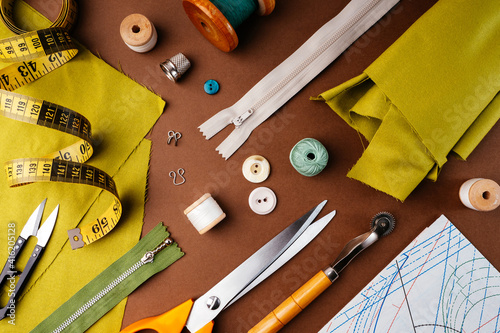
[{"x": 264, "y": 43}]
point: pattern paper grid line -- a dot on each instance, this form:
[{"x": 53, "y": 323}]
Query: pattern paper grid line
[{"x": 439, "y": 284}]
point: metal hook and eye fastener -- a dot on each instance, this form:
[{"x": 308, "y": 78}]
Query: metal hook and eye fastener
[
  {"x": 173, "y": 174},
  {"x": 173, "y": 135}
]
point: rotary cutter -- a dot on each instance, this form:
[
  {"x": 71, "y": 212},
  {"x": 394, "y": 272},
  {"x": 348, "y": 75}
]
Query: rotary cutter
[{"x": 382, "y": 224}]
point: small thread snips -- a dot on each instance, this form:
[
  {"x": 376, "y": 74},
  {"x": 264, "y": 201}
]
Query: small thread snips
[
  {"x": 173, "y": 135},
  {"x": 30, "y": 229}
]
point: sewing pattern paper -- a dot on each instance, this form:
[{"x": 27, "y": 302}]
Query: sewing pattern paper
[{"x": 439, "y": 283}]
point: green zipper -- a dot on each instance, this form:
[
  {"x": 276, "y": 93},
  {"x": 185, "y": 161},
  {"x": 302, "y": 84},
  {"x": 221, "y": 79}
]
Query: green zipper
[{"x": 152, "y": 254}]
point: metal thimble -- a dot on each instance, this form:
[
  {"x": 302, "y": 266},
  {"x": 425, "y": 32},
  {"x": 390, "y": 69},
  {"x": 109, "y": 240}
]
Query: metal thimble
[{"x": 175, "y": 67}]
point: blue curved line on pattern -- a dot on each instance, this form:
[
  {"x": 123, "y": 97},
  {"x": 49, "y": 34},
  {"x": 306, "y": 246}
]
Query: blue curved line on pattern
[
  {"x": 444, "y": 276},
  {"x": 469, "y": 290},
  {"x": 496, "y": 323},
  {"x": 385, "y": 297},
  {"x": 372, "y": 306}
]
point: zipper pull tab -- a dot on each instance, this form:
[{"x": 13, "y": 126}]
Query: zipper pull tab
[
  {"x": 244, "y": 116},
  {"x": 149, "y": 256}
]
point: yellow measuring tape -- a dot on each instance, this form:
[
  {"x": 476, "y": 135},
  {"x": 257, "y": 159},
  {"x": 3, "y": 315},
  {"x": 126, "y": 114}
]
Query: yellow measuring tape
[{"x": 33, "y": 55}]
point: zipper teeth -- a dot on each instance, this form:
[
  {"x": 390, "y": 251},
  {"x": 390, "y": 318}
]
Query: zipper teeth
[
  {"x": 97, "y": 297},
  {"x": 316, "y": 54}
]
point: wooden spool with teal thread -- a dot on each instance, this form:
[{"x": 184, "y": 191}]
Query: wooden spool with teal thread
[{"x": 217, "y": 20}]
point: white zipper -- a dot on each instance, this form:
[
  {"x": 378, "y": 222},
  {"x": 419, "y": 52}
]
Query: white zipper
[
  {"x": 283, "y": 82},
  {"x": 146, "y": 259}
]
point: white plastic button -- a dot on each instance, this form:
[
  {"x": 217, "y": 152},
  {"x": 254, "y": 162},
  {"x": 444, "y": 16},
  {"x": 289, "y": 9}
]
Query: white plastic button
[
  {"x": 262, "y": 200},
  {"x": 256, "y": 169}
]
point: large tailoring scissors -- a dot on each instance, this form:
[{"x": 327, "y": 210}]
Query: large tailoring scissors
[{"x": 197, "y": 316}]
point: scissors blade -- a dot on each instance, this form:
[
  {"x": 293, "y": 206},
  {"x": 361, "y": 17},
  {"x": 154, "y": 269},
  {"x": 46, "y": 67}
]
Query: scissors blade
[
  {"x": 46, "y": 230},
  {"x": 311, "y": 232},
  {"x": 31, "y": 227},
  {"x": 208, "y": 306}
]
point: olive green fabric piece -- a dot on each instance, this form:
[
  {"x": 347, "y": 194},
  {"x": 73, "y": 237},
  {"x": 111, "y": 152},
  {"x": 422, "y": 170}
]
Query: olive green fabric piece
[
  {"x": 121, "y": 112},
  {"x": 432, "y": 93}
]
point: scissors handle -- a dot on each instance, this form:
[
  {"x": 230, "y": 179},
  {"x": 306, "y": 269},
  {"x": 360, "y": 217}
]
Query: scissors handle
[
  {"x": 28, "y": 269},
  {"x": 171, "y": 321},
  {"x": 8, "y": 269}
]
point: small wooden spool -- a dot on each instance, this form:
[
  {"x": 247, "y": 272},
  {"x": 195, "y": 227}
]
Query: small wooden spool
[
  {"x": 204, "y": 213},
  {"x": 138, "y": 33},
  {"x": 214, "y": 26},
  {"x": 480, "y": 194}
]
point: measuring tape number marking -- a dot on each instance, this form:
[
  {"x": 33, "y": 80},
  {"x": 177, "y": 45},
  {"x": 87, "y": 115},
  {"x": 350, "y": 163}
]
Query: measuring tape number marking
[{"x": 35, "y": 54}]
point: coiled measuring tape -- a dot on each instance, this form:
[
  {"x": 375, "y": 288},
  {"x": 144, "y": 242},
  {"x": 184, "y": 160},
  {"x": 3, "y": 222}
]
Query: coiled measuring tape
[
  {"x": 66, "y": 18},
  {"x": 33, "y": 55}
]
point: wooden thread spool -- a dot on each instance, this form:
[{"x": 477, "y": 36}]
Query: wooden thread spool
[
  {"x": 138, "y": 33},
  {"x": 204, "y": 213},
  {"x": 218, "y": 19},
  {"x": 480, "y": 194}
]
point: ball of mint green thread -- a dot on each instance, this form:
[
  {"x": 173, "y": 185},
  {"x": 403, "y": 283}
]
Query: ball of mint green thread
[
  {"x": 236, "y": 11},
  {"x": 309, "y": 157}
]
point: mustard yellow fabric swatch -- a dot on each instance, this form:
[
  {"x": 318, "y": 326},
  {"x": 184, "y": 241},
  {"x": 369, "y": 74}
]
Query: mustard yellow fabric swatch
[
  {"x": 73, "y": 269},
  {"x": 432, "y": 93},
  {"x": 121, "y": 113}
]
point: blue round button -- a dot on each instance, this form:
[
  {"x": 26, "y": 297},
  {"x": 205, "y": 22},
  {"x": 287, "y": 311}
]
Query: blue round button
[{"x": 211, "y": 87}]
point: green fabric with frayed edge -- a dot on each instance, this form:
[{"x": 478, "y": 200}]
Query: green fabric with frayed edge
[
  {"x": 121, "y": 112},
  {"x": 432, "y": 93}
]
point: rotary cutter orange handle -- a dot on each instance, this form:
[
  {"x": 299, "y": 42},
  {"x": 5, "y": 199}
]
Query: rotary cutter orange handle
[
  {"x": 172, "y": 321},
  {"x": 293, "y": 305}
]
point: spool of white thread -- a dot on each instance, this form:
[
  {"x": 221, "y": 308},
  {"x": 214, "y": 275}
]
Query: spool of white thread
[
  {"x": 138, "y": 33},
  {"x": 480, "y": 194},
  {"x": 204, "y": 213}
]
